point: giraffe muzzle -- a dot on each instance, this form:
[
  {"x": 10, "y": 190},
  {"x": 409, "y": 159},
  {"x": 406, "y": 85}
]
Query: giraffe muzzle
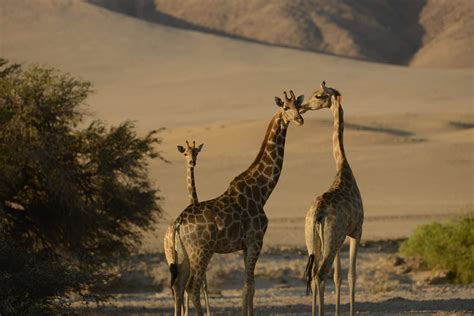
[{"x": 299, "y": 120}]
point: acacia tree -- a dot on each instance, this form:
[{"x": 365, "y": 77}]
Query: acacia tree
[{"x": 74, "y": 199}]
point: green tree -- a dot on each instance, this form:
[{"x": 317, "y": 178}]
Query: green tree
[{"x": 74, "y": 199}]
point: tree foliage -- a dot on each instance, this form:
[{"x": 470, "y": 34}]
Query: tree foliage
[{"x": 73, "y": 198}]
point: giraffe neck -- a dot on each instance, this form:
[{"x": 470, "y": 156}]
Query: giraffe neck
[
  {"x": 193, "y": 198},
  {"x": 337, "y": 137},
  {"x": 267, "y": 166}
]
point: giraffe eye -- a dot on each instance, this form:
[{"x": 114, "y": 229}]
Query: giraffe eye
[{"x": 319, "y": 97}]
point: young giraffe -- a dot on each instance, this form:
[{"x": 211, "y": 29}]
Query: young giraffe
[
  {"x": 335, "y": 214},
  {"x": 190, "y": 154},
  {"x": 236, "y": 219}
]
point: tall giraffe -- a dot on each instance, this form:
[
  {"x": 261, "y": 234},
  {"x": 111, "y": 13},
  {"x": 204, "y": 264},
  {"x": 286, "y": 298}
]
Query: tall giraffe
[
  {"x": 190, "y": 154},
  {"x": 236, "y": 219},
  {"x": 335, "y": 214}
]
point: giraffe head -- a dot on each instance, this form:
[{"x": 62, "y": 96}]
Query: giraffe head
[
  {"x": 190, "y": 153},
  {"x": 290, "y": 107},
  {"x": 324, "y": 97}
]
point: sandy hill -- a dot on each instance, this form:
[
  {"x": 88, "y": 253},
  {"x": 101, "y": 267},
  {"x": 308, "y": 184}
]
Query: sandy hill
[
  {"x": 435, "y": 33},
  {"x": 448, "y": 39},
  {"x": 409, "y": 132}
]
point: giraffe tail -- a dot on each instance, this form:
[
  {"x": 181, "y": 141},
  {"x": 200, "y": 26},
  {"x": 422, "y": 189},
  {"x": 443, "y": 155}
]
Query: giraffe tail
[
  {"x": 174, "y": 272},
  {"x": 308, "y": 273},
  {"x": 174, "y": 265},
  {"x": 314, "y": 257}
]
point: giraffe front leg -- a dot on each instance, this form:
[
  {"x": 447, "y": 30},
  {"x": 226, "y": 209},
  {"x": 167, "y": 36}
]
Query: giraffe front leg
[{"x": 250, "y": 259}]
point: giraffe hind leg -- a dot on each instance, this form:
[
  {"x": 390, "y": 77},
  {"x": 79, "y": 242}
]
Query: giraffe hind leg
[
  {"x": 206, "y": 298},
  {"x": 315, "y": 271},
  {"x": 178, "y": 290},
  {"x": 194, "y": 288},
  {"x": 354, "y": 243},
  {"x": 332, "y": 240},
  {"x": 199, "y": 263},
  {"x": 337, "y": 280}
]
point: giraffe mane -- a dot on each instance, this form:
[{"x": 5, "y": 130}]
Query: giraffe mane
[{"x": 264, "y": 142}]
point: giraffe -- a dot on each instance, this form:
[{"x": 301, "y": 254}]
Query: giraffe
[
  {"x": 236, "y": 219},
  {"x": 190, "y": 154},
  {"x": 333, "y": 215}
]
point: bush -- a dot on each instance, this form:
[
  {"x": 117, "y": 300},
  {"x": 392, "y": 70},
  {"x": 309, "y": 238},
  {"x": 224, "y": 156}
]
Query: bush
[
  {"x": 445, "y": 247},
  {"x": 74, "y": 199}
]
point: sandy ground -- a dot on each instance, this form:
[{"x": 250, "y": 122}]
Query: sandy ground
[
  {"x": 409, "y": 138},
  {"x": 384, "y": 286}
]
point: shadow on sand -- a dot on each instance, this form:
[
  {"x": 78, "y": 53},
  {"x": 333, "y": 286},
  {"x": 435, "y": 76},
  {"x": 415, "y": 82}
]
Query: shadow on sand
[{"x": 394, "y": 306}]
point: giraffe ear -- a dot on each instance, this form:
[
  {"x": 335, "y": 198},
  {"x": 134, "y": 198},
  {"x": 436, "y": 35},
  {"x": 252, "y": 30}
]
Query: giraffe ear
[
  {"x": 181, "y": 149},
  {"x": 199, "y": 147},
  {"x": 278, "y": 102},
  {"x": 299, "y": 100}
]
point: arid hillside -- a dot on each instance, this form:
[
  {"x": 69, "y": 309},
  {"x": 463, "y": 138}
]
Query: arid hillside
[{"x": 428, "y": 33}]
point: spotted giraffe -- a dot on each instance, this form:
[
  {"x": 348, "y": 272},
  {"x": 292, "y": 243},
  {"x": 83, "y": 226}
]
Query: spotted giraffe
[
  {"x": 335, "y": 214},
  {"x": 190, "y": 154},
  {"x": 236, "y": 219}
]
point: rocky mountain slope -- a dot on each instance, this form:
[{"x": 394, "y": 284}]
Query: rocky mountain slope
[{"x": 428, "y": 33}]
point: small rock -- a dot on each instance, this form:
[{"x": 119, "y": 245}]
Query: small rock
[
  {"x": 405, "y": 269},
  {"x": 440, "y": 277},
  {"x": 397, "y": 261}
]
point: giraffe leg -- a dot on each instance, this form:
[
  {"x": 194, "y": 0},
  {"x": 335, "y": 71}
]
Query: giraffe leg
[
  {"x": 317, "y": 254},
  {"x": 178, "y": 303},
  {"x": 337, "y": 280},
  {"x": 320, "y": 284},
  {"x": 178, "y": 290},
  {"x": 332, "y": 240},
  {"x": 206, "y": 299},
  {"x": 179, "y": 287},
  {"x": 313, "y": 245},
  {"x": 199, "y": 263},
  {"x": 186, "y": 304},
  {"x": 250, "y": 259},
  {"x": 354, "y": 243},
  {"x": 194, "y": 288},
  {"x": 314, "y": 285}
]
